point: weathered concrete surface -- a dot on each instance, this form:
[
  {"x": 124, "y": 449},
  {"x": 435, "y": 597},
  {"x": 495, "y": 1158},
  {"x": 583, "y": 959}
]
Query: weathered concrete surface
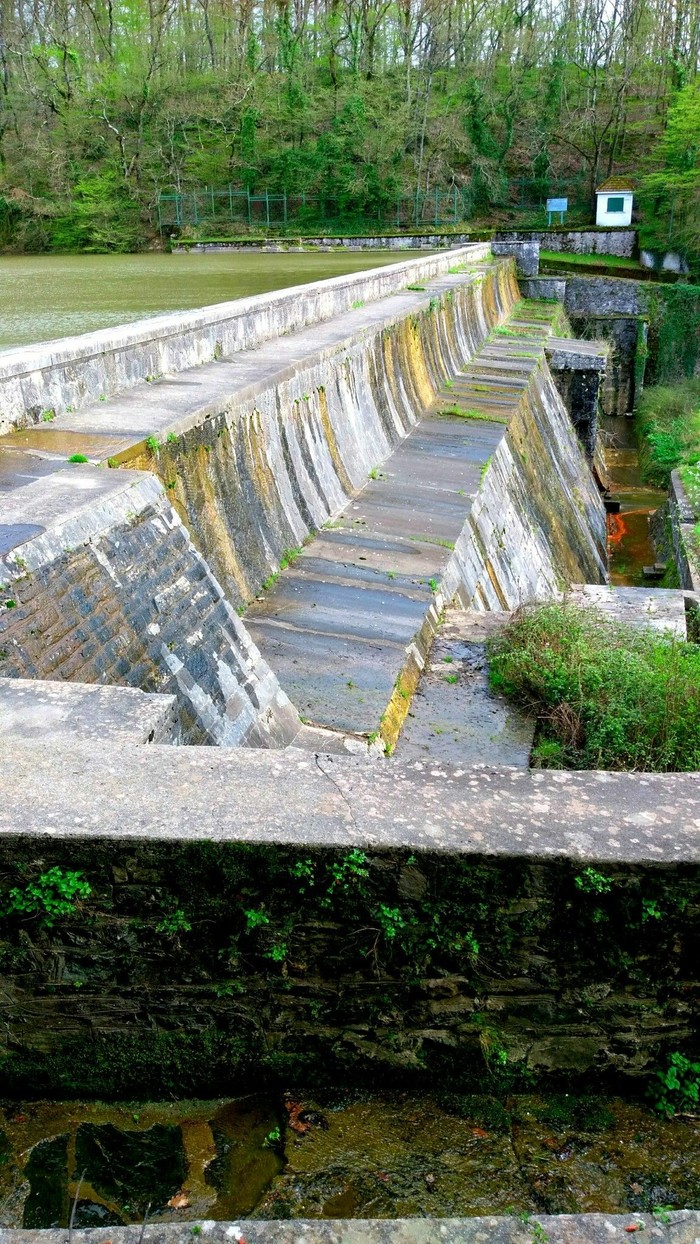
[
  {"x": 347, "y": 627},
  {"x": 337, "y": 624},
  {"x": 44, "y": 711},
  {"x": 94, "y": 790},
  {"x": 102, "y": 583},
  {"x": 259, "y": 452},
  {"x": 620, "y": 242},
  {"x": 683, "y": 532},
  {"x": 454, "y": 718},
  {"x": 662, "y": 609},
  {"x": 75, "y": 370},
  {"x": 525, "y": 253},
  {"x": 672, "y": 1227}
]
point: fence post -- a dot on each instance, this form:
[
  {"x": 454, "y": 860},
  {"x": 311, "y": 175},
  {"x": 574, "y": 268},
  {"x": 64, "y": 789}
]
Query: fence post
[
  {"x": 267, "y": 205},
  {"x": 250, "y": 213},
  {"x": 196, "y": 207},
  {"x": 285, "y": 206},
  {"x": 230, "y": 203},
  {"x": 437, "y": 198}
]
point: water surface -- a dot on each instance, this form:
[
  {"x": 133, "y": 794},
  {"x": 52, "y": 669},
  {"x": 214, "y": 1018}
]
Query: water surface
[
  {"x": 47, "y": 296},
  {"x": 375, "y": 1155}
]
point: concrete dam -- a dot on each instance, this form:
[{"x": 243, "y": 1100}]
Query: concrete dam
[
  {"x": 240, "y": 547},
  {"x": 327, "y": 454}
]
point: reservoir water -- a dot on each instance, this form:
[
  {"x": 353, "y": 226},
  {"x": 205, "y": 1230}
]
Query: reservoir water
[{"x": 47, "y": 296}]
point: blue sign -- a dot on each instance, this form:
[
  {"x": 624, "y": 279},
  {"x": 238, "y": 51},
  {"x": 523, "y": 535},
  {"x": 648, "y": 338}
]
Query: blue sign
[{"x": 556, "y": 205}]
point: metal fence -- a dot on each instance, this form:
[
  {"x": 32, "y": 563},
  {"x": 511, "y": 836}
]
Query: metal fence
[{"x": 424, "y": 209}]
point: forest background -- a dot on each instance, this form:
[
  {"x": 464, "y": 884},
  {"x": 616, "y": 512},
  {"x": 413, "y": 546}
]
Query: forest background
[{"x": 349, "y": 105}]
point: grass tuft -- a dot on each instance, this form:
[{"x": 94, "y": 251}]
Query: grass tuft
[{"x": 606, "y": 695}]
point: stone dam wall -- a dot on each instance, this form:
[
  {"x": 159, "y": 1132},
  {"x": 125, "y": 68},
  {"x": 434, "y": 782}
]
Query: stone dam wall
[
  {"x": 259, "y": 475},
  {"x": 70, "y": 372},
  {"x": 197, "y": 968},
  {"x": 116, "y": 592},
  {"x": 112, "y": 590},
  {"x": 537, "y": 522}
]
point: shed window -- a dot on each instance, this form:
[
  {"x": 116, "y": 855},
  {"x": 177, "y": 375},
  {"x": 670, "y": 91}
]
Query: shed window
[{"x": 617, "y": 204}]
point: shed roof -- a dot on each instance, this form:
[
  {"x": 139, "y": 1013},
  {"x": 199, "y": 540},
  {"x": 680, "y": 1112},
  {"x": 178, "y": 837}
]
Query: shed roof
[{"x": 616, "y": 183}]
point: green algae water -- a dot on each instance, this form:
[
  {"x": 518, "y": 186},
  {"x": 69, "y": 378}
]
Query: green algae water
[
  {"x": 48, "y": 296},
  {"x": 373, "y": 1155}
]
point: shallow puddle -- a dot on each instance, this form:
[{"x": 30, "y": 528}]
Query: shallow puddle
[{"x": 381, "y": 1156}]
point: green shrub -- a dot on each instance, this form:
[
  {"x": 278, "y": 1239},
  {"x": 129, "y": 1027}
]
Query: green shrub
[
  {"x": 605, "y": 695},
  {"x": 669, "y": 428},
  {"x": 677, "y": 1089},
  {"x": 54, "y": 894}
]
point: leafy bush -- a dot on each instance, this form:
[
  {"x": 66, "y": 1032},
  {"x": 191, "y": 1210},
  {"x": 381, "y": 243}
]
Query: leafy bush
[
  {"x": 606, "y": 695},
  {"x": 677, "y": 1089},
  {"x": 54, "y": 894},
  {"x": 669, "y": 427}
]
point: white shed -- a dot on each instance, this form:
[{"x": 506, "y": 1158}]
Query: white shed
[{"x": 614, "y": 202}]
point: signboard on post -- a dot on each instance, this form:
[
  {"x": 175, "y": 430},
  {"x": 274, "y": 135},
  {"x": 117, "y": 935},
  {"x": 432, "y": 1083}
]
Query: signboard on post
[{"x": 556, "y": 205}]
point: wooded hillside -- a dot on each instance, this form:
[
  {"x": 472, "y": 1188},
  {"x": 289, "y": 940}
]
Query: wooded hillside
[{"x": 353, "y": 103}]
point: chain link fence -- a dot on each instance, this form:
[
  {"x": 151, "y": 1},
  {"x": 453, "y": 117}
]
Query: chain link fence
[{"x": 422, "y": 210}]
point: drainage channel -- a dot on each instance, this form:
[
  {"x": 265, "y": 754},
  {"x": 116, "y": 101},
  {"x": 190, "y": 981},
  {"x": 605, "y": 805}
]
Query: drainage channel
[
  {"x": 631, "y": 548},
  {"x": 368, "y": 1155}
]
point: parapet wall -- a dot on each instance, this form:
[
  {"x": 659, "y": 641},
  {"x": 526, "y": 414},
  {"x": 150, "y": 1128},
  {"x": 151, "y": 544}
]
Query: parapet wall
[{"x": 73, "y": 371}]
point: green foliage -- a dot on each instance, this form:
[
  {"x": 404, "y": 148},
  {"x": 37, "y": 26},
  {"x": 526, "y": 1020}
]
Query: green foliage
[
  {"x": 676, "y": 1089},
  {"x": 53, "y": 895},
  {"x": 674, "y": 332},
  {"x": 605, "y": 695},
  {"x": 668, "y": 424},
  {"x": 592, "y": 882},
  {"x": 670, "y": 195},
  {"x": 153, "y": 444},
  {"x": 78, "y": 458},
  {"x": 174, "y": 923}
]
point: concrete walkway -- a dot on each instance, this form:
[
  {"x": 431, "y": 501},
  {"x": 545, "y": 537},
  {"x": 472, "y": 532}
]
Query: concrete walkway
[{"x": 114, "y": 429}]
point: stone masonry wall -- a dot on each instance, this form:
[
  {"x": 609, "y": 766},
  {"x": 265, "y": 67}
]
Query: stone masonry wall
[
  {"x": 537, "y": 522},
  {"x": 132, "y": 602},
  {"x": 203, "y": 967}
]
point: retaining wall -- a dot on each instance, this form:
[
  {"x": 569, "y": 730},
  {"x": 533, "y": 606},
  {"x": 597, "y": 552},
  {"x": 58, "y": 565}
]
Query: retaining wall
[
  {"x": 73, "y": 371},
  {"x": 111, "y": 589},
  {"x": 360, "y": 962},
  {"x": 621, "y": 242}
]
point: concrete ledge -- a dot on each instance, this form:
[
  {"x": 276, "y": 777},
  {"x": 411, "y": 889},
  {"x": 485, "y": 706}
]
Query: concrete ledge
[
  {"x": 77, "y": 790},
  {"x": 74, "y": 370},
  {"x": 42, "y": 712},
  {"x": 675, "y": 1227}
]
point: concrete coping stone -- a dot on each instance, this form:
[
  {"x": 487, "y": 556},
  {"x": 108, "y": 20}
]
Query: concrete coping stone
[
  {"x": 120, "y": 794},
  {"x": 43, "y": 711},
  {"x": 564, "y": 354},
  {"x": 673, "y": 1227},
  {"x": 64, "y": 510}
]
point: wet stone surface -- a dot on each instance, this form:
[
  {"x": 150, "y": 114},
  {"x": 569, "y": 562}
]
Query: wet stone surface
[
  {"x": 453, "y": 715},
  {"x": 384, "y": 1156}
]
